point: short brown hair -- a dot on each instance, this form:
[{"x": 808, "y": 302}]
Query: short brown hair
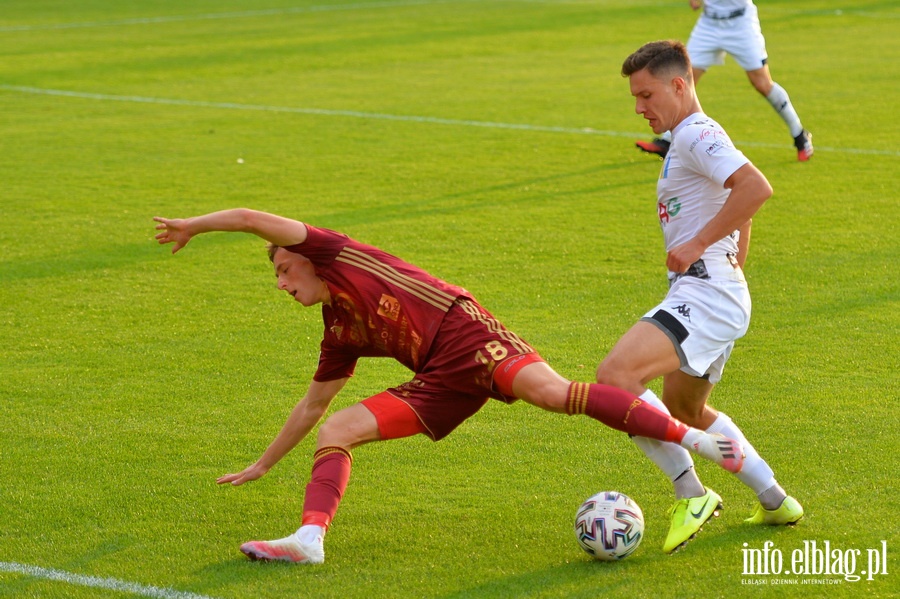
[
  {"x": 271, "y": 248},
  {"x": 659, "y": 57}
]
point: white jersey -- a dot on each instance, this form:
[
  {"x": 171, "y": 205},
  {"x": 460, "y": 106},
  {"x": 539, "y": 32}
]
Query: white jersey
[{"x": 691, "y": 191}]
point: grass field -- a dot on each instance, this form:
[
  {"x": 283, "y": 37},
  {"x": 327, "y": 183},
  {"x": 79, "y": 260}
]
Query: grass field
[{"x": 490, "y": 142}]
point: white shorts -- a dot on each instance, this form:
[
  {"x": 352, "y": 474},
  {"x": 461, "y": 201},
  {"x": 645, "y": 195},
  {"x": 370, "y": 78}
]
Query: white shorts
[
  {"x": 703, "y": 318},
  {"x": 741, "y": 37}
]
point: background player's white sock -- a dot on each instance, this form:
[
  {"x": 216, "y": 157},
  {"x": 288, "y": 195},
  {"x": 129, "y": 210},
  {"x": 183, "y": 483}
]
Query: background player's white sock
[
  {"x": 781, "y": 102},
  {"x": 666, "y": 136},
  {"x": 756, "y": 473},
  {"x": 675, "y": 461}
]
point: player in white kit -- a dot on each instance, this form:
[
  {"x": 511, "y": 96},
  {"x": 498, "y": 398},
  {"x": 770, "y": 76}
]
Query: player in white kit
[
  {"x": 707, "y": 193},
  {"x": 732, "y": 27}
]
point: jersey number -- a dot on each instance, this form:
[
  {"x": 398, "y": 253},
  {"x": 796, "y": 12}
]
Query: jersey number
[{"x": 495, "y": 350}]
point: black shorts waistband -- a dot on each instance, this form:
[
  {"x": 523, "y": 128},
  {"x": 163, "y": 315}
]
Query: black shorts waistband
[
  {"x": 732, "y": 15},
  {"x": 707, "y": 269}
]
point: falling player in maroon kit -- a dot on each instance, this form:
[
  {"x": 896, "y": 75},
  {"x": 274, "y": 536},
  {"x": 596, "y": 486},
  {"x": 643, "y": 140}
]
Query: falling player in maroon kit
[{"x": 376, "y": 305}]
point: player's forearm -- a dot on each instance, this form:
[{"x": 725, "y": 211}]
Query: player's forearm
[
  {"x": 233, "y": 220},
  {"x": 302, "y": 420},
  {"x": 305, "y": 415},
  {"x": 276, "y": 229},
  {"x": 724, "y": 224},
  {"x": 749, "y": 191}
]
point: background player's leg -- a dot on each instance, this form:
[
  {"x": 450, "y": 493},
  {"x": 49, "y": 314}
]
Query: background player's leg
[{"x": 778, "y": 97}]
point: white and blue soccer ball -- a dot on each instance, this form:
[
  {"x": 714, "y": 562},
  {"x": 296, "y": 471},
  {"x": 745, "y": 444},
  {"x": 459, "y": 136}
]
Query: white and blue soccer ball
[{"x": 609, "y": 526}]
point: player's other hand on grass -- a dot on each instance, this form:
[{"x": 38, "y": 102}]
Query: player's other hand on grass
[
  {"x": 248, "y": 474},
  {"x": 174, "y": 230}
]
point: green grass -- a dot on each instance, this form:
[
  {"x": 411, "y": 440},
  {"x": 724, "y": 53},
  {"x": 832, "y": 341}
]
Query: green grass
[{"x": 130, "y": 379}]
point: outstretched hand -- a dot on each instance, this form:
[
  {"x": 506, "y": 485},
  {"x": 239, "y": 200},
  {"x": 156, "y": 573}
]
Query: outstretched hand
[
  {"x": 248, "y": 474},
  {"x": 174, "y": 230}
]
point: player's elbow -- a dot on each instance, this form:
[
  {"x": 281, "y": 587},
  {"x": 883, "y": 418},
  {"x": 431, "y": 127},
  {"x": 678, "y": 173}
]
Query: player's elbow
[
  {"x": 760, "y": 185},
  {"x": 247, "y": 218},
  {"x": 766, "y": 190}
]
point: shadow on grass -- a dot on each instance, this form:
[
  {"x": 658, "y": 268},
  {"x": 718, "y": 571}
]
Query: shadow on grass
[
  {"x": 456, "y": 202},
  {"x": 715, "y": 554},
  {"x": 567, "y": 579},
  {"x": 68, "y": 262}
]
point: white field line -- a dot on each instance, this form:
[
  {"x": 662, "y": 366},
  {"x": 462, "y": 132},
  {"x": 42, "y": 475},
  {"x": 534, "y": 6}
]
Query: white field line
[
  {"x": 311, "y": 111},
  {"x": 392, "y": 117},
  {"x": 112, "y": 584}
]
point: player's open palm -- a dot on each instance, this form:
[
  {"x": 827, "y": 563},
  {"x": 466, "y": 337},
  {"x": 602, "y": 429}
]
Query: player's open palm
[
  {"x": 246, "y": 475},
  {"x": 174, "y": 230}
]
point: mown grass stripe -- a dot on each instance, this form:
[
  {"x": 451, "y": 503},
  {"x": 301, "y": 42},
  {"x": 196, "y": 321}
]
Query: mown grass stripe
[{"x": 264, "y": 12}]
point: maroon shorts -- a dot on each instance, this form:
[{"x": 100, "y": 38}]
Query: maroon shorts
[{"x": 473, "y": 358}]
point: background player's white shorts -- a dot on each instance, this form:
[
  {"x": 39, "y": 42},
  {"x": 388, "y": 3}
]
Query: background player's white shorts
[
  {"x": 703, "y": 318},
  {"x": 741, "y": 37}
]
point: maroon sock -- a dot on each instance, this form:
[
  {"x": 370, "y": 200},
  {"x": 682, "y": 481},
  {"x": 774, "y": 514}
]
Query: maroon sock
[
  {"x": 330, "y": 474},
  {"x": 623, "y": 411}
]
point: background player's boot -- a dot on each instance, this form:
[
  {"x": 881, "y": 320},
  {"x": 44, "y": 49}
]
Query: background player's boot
[
  {"x": 688, "y": 517},
  {"x": 803, "y": 143},
  {"x": 658, "y": 146},
  {"x": 789, "y": 512},
  {"x": 288, "y": 549}
]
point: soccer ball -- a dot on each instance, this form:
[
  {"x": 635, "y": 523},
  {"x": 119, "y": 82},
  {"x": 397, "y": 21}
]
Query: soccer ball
[{"x": 609, "y": 526}]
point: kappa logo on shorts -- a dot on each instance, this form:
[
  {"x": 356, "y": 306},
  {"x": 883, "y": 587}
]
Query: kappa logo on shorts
[{"x": 684, "y": 310}]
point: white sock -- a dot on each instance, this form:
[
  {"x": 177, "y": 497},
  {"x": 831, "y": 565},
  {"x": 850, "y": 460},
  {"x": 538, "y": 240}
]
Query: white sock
[
  {"x": 675, "y": 461},
  {"x": 666, "y": 136},
  {"x": 781, "y": 102},
  {"x": 308, "y": 533},
  {"x": 756, "y": 473}
]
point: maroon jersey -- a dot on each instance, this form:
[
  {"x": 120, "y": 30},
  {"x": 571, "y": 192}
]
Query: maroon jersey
[{"x": 380, "y": 305}]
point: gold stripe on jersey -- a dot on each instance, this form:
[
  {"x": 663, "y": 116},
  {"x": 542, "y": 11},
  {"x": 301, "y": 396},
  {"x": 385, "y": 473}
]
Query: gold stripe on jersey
[
  {"x": 576, "y": 402},
  {"x": 494, "y": 326},
  {"x": 424, "y": 291}
]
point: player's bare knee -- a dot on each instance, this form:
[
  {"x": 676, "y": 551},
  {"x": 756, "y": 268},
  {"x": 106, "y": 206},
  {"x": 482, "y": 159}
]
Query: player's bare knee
[
  {"x": 328, "y": 434},
  {"x": 609, "y": 374},
  {"x": 338, "y": 431}
]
